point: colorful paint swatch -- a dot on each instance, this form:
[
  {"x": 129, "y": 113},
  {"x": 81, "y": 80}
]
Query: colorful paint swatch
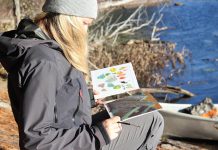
[{"x": 114, "y": 80}]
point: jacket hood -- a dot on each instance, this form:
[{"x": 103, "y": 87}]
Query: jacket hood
[{"x": 15, "y": 43}]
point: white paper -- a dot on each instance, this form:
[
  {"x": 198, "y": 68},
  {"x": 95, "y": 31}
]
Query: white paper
[{"x": 114, "y": 80}]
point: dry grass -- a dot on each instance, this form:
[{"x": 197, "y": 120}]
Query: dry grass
[
  {"x": 110, "y": 46},
  {"x": 6, "y": 26},
  {"x": 149, "y": 59}
]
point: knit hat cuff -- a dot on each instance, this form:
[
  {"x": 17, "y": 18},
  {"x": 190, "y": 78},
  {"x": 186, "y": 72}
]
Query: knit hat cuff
[{"x": 80, "y": 8}]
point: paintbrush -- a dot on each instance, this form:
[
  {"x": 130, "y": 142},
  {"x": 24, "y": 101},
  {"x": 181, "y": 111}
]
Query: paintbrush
[{"x": 126, "y": 123}]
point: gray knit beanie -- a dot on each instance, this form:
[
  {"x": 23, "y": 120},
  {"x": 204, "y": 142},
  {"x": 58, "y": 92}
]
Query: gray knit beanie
[{"x": 80, "y": 8}]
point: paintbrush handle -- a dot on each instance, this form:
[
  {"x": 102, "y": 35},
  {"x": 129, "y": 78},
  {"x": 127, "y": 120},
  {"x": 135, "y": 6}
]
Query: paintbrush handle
[{"x": 126, "y": 123}]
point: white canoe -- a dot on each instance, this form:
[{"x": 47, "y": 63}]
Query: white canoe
[{"x": 187, "y": 126}]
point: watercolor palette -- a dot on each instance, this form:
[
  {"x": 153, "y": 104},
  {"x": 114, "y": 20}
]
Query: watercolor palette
[
  {"x": 132, "y": 106},
  {"x": 114, "y": 80}
]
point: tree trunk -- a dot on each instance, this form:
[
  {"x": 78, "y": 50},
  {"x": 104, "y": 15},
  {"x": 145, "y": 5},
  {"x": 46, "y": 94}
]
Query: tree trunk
[{"x": 17, "y": 11}]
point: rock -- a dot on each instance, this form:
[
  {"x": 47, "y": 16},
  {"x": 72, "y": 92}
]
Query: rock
[{"x": 178, "y": 4}]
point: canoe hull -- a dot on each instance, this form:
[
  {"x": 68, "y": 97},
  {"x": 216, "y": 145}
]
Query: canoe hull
[{"x": 188, "y": 126}]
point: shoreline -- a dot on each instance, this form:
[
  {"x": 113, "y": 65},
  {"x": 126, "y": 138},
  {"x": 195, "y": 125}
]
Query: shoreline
[{"x": 129, "y": 3}]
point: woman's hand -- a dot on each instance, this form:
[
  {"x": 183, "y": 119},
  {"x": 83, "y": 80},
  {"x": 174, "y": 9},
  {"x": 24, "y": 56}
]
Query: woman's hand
[
  {"x": 112, "y": 127},
  {"x": 99, "y": 101}
]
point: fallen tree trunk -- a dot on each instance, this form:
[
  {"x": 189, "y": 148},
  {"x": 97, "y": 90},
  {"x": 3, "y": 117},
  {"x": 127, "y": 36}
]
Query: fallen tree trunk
[
  {"x": 165, "y": 90},
  {"x": 129, "y": 3},
  {"x": 17, "y": 12}
]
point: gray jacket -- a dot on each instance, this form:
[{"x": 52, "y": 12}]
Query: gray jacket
[{"x": 49, "y": 97}]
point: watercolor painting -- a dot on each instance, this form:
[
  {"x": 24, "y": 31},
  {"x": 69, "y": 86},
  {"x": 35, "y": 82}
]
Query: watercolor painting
[
  {"x": 114, "y": 80},
  {"x": 131, "y": 106}
]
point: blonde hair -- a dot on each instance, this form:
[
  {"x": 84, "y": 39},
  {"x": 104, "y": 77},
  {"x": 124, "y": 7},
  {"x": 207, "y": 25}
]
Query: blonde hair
[{"x": 70, "y": 33}]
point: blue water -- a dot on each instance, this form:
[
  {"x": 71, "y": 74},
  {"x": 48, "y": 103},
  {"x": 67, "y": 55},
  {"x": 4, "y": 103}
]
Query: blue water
[{"x": 195, "y": 27}]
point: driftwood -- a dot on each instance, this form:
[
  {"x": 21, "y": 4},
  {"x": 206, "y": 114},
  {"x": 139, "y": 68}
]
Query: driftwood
[{"x": 165, "y": 90}]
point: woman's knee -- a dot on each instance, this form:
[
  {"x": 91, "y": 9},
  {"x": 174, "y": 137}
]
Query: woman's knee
[{"x": 159, "y": 120}]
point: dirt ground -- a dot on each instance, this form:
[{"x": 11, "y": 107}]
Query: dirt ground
[{"x": 8, "y": 130}]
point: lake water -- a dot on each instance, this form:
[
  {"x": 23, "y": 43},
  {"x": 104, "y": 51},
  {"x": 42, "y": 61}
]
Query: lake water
[{"x": 195, "y": 27}]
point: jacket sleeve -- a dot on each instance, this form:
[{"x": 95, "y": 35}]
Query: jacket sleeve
[{"x": 40, "y": 83}]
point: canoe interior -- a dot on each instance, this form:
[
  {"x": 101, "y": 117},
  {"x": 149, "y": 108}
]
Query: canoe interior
[
  {"x": 187, "y": 126},
  {"x": 176, "y": 107}
]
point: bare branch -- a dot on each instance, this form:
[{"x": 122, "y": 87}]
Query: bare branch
[
  {"x": 154, "y": 36},
  {"x": 125, "y": 23},
  {"x": 112, "y": 29},
  {"x": 139, "y": 27}
]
